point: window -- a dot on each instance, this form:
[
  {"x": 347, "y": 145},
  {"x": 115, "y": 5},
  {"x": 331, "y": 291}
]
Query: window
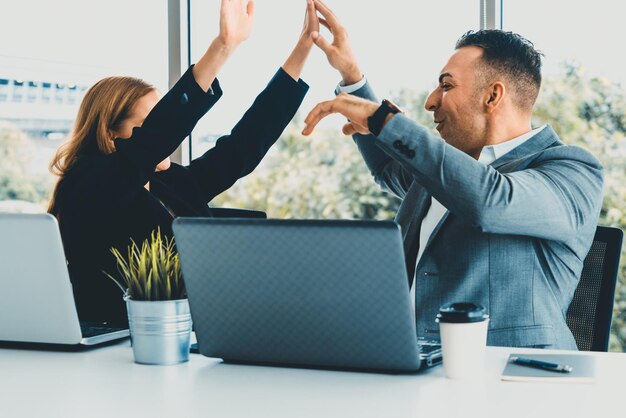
[
  {"x": 400, "y": 44},
  {"x": 18, "y": 90},
  {"x": 58, "y": 50},
  {"x": 4, "y": 89}
]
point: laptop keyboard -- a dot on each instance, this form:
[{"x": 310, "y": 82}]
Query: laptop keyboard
[
  {"x": 92, "y": 329},
  {"x": 427, "y": 347},
  {"x": 430, "y": 352}
]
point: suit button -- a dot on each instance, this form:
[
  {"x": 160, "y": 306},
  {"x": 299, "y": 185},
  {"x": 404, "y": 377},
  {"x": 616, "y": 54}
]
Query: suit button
[
  {"x": 184, "y": 99},
  {"x": 397, "y": 144},
  {"x": 410, "y": 153}
]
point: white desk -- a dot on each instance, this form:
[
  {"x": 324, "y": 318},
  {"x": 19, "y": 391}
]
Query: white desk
[{"x": 106, "y": 383}]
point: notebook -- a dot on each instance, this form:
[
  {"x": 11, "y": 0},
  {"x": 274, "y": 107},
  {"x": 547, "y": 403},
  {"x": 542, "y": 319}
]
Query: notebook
[
  {"x": 582, "y": 369},
  {"x": 323, "y": 294},
  {"x": 36, "y": 298}
]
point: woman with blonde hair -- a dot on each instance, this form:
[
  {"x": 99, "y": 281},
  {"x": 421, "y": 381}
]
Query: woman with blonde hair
[{"x": 116, "y": 182}]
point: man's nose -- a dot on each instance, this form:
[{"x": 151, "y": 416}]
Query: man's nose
[{"x": 432, "y": 101}]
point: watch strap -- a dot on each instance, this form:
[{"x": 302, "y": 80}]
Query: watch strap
[{"x": 377, "y": 120}]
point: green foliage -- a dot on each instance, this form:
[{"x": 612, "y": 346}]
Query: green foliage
[
  {"x": 318, "y": 177},
  {"x": 152, "y": 271},
  {"x": 15, "y": 155}
]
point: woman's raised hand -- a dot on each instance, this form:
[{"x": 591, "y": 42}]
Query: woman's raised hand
[
  {"x": 311, "y": 21},
  {"x": 295, "y": 62},
  {"x": 236, "y": 19}
]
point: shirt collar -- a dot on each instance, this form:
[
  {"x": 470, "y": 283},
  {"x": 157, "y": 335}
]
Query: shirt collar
[{"x": 490, "y": 153}]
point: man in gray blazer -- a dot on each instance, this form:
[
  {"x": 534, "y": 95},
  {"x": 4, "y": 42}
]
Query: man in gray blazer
[{"x": 496, "y": 213}]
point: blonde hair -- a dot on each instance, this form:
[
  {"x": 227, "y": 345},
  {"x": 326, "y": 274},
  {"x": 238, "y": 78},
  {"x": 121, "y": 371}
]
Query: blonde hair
[{"x": 106, "y": 105}]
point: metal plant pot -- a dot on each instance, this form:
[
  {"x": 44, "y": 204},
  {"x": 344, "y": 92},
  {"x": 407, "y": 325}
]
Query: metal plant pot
[{"x": 160, "y": 331}]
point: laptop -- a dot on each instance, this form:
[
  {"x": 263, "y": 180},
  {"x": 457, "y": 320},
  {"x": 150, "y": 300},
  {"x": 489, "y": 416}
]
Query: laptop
[
  {"x": 305, "y": 293},
  {"x": 36, "y": 298}
]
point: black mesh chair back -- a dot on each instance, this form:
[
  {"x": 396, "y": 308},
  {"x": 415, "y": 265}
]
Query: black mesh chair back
[{"x": 589, "y": 315}]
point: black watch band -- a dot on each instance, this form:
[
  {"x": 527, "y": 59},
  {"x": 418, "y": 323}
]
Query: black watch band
[{"x": 377, "y": 120}]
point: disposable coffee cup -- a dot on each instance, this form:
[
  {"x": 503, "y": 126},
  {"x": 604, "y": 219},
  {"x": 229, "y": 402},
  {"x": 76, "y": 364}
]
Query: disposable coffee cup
[{"x": 463, "y": 329}]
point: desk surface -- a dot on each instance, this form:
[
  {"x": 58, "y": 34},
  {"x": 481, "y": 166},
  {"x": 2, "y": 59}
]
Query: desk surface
[{"x": 105, "y": 382}]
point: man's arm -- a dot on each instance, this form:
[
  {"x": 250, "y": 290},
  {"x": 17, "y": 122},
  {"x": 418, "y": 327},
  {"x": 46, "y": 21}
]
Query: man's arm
[
  {"x": 388, "y": 173},
  {"x": 562, "y": 187}
]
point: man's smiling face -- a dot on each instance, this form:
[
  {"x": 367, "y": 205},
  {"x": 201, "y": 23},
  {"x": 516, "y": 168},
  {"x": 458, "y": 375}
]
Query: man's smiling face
[{"x": 458, "y": 102}]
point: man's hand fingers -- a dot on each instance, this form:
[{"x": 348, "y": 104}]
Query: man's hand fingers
[
  {"x": 352, "y": 128},
  {"x": 312, "y": 120},
  {"x": 319, "y": 112},
  {"x": 349, "y": 129},
  {"x": 354, "y": 108},
  {"x": 327, "y": 13},
  {"x": 322, "y": 43},
  {"x": 324, "y": 23}
]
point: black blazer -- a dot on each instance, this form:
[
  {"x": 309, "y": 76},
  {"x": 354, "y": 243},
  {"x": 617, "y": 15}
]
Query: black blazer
[{"x": 102, "y": 203}]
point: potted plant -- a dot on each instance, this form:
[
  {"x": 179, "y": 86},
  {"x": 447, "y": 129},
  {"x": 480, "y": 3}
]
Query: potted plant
[{"x": 156, "y": 300}]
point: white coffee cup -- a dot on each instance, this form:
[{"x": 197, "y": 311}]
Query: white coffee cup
[{"x": 463, "y": 329}]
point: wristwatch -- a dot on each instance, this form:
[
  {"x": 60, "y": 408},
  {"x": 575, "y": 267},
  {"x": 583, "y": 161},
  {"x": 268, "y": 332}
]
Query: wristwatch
[{"x": 377, "y": 120}]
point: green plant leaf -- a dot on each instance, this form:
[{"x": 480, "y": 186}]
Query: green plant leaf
[{"x": 150, "y": 271}]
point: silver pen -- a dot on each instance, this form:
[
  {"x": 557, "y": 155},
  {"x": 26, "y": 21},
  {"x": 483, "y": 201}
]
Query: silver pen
[{"x": 544, "y": 365}]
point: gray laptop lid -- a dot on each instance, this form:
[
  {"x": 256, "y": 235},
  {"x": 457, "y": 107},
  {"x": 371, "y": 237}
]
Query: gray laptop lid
[
  {"x": 309, "y": 293},
  {"x": 36, "y": 298}
]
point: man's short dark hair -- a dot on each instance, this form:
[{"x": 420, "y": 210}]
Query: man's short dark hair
[{"x": 508, "y": 55}]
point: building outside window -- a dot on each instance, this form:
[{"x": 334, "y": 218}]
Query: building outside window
[{"x": 59, "y": 51}]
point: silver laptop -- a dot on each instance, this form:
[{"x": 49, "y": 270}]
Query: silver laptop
[
  {"x": 324, "y": 294},
  {"x": 36, "y": 298}
]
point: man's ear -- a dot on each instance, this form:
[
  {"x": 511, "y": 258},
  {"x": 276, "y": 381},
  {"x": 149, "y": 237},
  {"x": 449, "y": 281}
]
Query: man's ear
[{"x": 494, "y": 95}]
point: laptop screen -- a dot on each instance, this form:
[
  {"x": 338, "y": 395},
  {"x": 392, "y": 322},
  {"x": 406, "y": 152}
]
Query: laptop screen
[{"x": 311, "y": 293}]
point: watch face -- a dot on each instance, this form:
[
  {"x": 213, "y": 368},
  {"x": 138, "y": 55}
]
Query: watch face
[{"x": 393, "y": 106}]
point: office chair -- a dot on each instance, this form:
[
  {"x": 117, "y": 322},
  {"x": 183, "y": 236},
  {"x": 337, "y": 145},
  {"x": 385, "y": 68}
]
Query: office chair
[{"x": 589, "y": 314}]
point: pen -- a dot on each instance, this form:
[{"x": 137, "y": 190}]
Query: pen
[{"x": 544, "y": 365}]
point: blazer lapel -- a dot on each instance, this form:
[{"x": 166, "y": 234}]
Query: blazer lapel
[{"x": 414, "y": 207}]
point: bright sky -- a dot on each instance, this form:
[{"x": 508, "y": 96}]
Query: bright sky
[{"x": 399, "y": 43}]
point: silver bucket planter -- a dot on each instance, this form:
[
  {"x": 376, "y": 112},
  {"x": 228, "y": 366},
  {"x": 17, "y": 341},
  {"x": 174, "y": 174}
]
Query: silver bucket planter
[{"x": 160, "y": 331}]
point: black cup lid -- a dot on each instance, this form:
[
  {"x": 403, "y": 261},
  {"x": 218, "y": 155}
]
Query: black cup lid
[{"x": 460, "y": 312}]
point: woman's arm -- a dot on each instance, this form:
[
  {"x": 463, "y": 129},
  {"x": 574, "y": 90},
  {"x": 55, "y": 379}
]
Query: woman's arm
[
  {"x": 110, "y": 181},
  {"x": 295, "y": 62},
  {"x": 237, "y": 154}
]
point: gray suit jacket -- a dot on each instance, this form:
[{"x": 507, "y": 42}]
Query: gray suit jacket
[{"x": 516, "y": 233}]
